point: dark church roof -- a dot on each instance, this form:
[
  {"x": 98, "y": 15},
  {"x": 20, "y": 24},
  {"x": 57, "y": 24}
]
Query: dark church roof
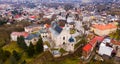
[
  {"x": 31, "y": 36},
  {"x": 71, "y": 39},
  {"x": 56, "y": 27}
]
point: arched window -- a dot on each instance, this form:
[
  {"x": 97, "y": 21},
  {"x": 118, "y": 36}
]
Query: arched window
[
  {"x": 35, "y": 39},
  {"x": 63, "y": 38},
  {"x": 46, "y": 36},
  {"x": 63, "y": 43}
]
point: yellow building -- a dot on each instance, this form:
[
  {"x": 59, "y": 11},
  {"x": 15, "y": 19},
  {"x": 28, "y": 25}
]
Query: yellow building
[{"x": 103, "y": 29}]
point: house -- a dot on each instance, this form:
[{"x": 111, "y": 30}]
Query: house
[
  {"x": 86, "y": 18},
  {"x": 88, "y": 48},
  {"x": 61, "y": 37},
  {"x": 87, "y": 51},
  {"x": 103, "y": 29},
  {"x": 32, "y": 28},
  {"x": 45, "y": 47},
  {"x": 118, "y": 53},
  {"x": 70, "y": 19},
  {"x": 116, "y": 46},
  {"x": 15, "y": 35},
  {"x": 72, "y": 24},
  {"x": 32, "y": 38},
  {"x": 106, "y": 47},
  {"x": 61, "y": 18},
  {"x": 115, "y": 43},
  {"x": 44, "y": 33},
  {"x": 19, "y": 18},
  {"x": 46, "y": 25},
  {"x": 32, "y": 17},
  {"x": 47, "y": 16}
]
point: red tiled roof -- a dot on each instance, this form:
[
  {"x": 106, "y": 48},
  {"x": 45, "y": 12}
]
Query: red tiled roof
[
  {"x": 99, "y": 38},
  {"x": 17, "y": 16},
  {"x": 62, "y": 26},
  {"x": 87, "y": 47},
  {"x": 104, "y": 27},
  {"x": 95, "y": 39},
  {"x": 33, "y": 17},
  {"x": 25, "y": 34},
  {"x": 93, "y": 42}
]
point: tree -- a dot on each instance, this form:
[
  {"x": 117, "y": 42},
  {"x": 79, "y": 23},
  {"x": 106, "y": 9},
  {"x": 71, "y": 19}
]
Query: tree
[
  {"x": 115, "y": 35},
  {"x": 30, "y": 50},
  {"x": 1, "y": 62},
  {"x": 13, "y": 60},
  {"x": 21, "y": 42},
  {"x": 1, "y": 54},
  {"x": 2, "y": 42},
  {"x": 83, "y": 40},
  {"x": 4, "y": 55},
  {"x": 18, "y": 40},
  {"x": 16, "y": 55},
  {"x": 68, "y": 7},
  {"x": 110, "y": 61},
  {"x": 14, "y": 12},
  {"x": 24, "y": 62},
  {"x": 118, "y": 25},
  {"x": 39, "y": 46},
  {"x": 67, "y": 16},
  {"x": 85, "y": 29}
]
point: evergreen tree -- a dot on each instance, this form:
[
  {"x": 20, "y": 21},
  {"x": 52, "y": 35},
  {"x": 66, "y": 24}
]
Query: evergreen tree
[
  {"x": 39, "y": 46},
  {"x": 118, "y": 26},
  {"x": 21, "y": 42},
  {"x": 83, "y": 40},
  {"x": 13, "y": 60},
  {"x": 30, "y": 50},
  {"x": 24, "y": 62},
  {"x": 4, "y": 55},
  {"x": 18, "y": 40},
  {"x": 16, "y": 55},
  {"x": 1, "y": 61}
]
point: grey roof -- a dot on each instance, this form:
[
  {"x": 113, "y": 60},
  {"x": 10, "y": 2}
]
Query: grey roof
[
  {"x": 56, "y": 27},
  {"x": 34, "y": 25},
  {"x": 55, "y": 52},
  {"x": 53, "y": 32},
  {"x": 43, "y": 31},
  {"x": 31, "y": 36}
]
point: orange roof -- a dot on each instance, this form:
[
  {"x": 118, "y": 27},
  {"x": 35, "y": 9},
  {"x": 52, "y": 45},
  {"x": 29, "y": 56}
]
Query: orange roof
[
  {"x": 95, "y": 39},
  {"x": 33, "y": 17},
  {"x": 47, "y": 25},
  {"x": 104, "y": 27},
  {"x": 91, "y": 44},
  {"x": 87, "y": 48}
]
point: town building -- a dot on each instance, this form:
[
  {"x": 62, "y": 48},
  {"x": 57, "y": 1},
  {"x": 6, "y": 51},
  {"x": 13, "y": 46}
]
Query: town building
[
  {"x": 15, "y": 35},
  {"x": 33, "y": 28},
  {"x": 88, "y": 48},
  {"x": 105, "y": 47},
  {"x": 32, "y": 38},
  {"x": 62, "y": 37},
  {"x": 103, "y": 29}
]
